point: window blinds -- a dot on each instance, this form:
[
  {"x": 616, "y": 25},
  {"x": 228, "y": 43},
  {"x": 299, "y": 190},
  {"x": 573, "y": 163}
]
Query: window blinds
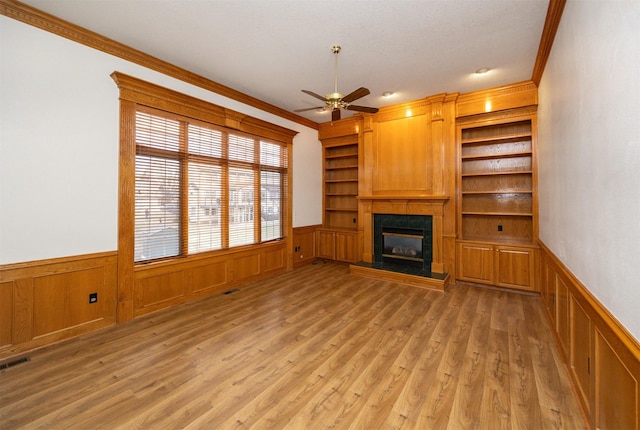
[{"x": 199, "y": 187}]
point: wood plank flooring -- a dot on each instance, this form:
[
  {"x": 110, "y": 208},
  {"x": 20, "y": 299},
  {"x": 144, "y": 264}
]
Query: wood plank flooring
[{"x": 314, "y": 348}]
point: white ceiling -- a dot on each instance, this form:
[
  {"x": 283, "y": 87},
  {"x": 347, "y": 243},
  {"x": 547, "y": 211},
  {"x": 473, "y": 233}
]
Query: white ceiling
[{"x": 272, "y": 49}]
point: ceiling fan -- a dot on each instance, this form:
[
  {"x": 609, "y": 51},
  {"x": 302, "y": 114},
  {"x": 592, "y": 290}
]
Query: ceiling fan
[{"x": 336, "y": 101}]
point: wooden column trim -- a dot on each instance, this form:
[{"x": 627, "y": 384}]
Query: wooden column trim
[{"x": 126, "y": 212}]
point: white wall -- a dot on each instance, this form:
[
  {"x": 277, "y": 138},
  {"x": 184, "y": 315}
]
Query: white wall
[
  {"x": 59, "y": 123},
  {"x": 589, "y": 151}
]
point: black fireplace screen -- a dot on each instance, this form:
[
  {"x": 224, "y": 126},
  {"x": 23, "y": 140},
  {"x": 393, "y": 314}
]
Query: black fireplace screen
[
  {"x": 403, "y": 239},
  {"x": 403, "y": 244}
]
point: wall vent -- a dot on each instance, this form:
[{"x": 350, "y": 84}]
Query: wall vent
[{"x": 234, "y": 290}]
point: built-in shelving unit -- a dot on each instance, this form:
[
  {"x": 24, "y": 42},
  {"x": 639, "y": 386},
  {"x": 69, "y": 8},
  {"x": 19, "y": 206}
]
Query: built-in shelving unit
[
  {"x": 341, "y": 186},
  {"x": 337, "y": 238},
  {"x": 497, "y": 202},
  {"x": 496, "y": 181}
]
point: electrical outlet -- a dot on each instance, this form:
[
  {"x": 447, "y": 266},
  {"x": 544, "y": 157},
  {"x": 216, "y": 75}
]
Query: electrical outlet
[{"x": 93, "y": 297}]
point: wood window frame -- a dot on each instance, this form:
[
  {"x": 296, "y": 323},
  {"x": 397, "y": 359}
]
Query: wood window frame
[{"x": 136, "y": 93}]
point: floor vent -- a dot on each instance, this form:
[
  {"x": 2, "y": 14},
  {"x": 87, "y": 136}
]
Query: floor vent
[
  {"x": 234, "y": 290},
  {"x": 14, "y": 363}
]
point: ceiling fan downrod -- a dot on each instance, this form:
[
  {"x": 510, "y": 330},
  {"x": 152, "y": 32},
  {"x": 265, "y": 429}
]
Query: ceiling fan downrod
[{"x": 336, "y": 95}]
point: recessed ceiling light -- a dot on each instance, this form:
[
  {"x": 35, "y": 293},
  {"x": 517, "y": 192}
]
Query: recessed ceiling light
[
  {"x": 482, "y": 71},
  {"x": 387, "y": 94}
]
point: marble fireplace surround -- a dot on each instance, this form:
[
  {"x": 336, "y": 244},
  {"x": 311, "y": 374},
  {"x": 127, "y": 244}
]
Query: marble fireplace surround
[{"x": 400, "y": 205}]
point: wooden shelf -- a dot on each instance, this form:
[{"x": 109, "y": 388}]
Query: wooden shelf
[
  {"x": 341, "y": 195},
  {"x": 464, "y": 193},
  {"x": 512, "y": 172},
  {"x": 348, "y": 155},
  {"x": 342, "y": 209},
  {"x": 497, "y": 156},
  {"x": 351, "y": 166},
  {"x": 505, "y": 138},
  {"x": 497, "y": 213}
]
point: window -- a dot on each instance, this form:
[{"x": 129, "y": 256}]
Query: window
[{"x": 201, "y": 187}]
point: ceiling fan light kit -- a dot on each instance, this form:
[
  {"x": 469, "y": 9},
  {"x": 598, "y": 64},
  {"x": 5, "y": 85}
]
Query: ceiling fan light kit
[{"x": 336, "y": 101}]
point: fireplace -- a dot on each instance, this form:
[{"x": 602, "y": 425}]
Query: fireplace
[
  {"x": 403, "y": 240},
  {"x": 413, "y": 225},
  {"x": 403, "y": 246}
]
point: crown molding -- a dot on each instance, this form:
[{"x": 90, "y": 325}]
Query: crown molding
[
  {"x": 44, "y": 21},
  {"x": 551, "y": 23}
]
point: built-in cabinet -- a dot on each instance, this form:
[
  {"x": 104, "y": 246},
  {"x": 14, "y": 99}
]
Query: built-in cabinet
[
  {"x": 337, "y": 245},
  {"x": 501, "y": 265},
  {"x": 497, "y": 202}
]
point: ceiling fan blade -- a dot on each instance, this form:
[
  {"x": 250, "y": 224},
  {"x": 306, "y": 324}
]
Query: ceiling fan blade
[
  {"x": 359, "y": 93},
  {"x": 312, "y": 94},
  {"x": 362, "y": 109},
  {"x": 307, "y": 109},
  {"x": 335, "y": 115}
]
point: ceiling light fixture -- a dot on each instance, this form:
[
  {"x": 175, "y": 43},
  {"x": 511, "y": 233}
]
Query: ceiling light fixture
[
  {"x": 387, "y": 94},
  {"x": 482, "y": 71}
]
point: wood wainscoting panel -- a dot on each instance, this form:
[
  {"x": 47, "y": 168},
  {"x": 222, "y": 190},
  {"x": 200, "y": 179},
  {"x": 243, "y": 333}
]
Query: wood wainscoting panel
[
  {"x": 616, "y": 389},
  {"x": 154, "y": 290},
  {"x": 208, "y": 276},
  {"x": 273, "y": 259},
  {"x": 601, "y": 356},
  {"x": 580, "y": 350},
  {"x": 23, "y": 310},
  {"x": 45, "y": 301},
  {"x": 172, "y": 282},
  {"x": 304, "y": 245},
  {"x": 245, "y": 266},
  {"x": 6, "y": 313},
  {"x": 562, "y": 314},
  {"x": 61, "y": 300}
]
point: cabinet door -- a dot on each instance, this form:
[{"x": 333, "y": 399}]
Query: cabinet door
[
  {"x": 475, "y": 262},
  {"x": 326, "y": 242},
  {"x": 515, "y": 267},
  {"x": 346, "y": 247}
]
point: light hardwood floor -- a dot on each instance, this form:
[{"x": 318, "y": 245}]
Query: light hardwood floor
[{"x": 315, "y": 348}]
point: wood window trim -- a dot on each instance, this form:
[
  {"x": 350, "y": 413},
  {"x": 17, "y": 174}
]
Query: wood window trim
[{"x": 135, "y": 92}]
